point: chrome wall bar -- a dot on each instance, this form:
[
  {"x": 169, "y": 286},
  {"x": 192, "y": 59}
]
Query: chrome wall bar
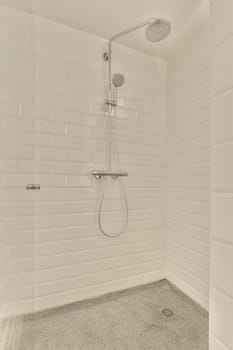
[
  {"x": 114, "y": 174},
  {"x": 33, "y": 187}
]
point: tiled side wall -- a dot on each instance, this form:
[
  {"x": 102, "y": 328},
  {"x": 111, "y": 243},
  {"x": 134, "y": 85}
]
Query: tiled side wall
[
  {"x": 3, "y": 264},
  {"x": 16, "y": 90},
  {"x": 60, "y": 253},
  {"x": 188, "y": 167},
  {"x": 221, "y": 261}
]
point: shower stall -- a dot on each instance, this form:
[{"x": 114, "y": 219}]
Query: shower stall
[{"x": 116, "y": 175}]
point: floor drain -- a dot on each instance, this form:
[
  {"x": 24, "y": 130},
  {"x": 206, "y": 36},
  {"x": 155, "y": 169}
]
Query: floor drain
[{"x": 167, "y": 312}]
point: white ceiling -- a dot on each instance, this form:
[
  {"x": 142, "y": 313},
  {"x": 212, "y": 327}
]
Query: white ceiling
[{"x": 107, "y": 17}]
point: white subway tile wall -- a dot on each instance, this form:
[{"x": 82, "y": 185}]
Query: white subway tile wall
[
  {"x": 53, "y": 132},
  {"x": 221, "y": 260},
  {"x": 188, "y": 167},
  {"x": 57, "y": 253},
  {"x": 16, "y": 154}
]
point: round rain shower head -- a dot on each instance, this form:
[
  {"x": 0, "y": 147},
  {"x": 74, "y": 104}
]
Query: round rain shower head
[
  {"x": 158, "y": 30},
  {"x": 118, "y": 80}
]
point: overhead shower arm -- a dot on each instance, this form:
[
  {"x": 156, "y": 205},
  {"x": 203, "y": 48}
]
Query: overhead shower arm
[
  {"x": 107, "y": 54},
  {"x": 131, "y": 29}
]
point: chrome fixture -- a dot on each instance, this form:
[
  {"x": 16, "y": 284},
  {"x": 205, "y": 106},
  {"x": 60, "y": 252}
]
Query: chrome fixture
[
  {"x": 167, "y": 312},
  {"x": 114, "y": 174},
  {"x": 157, "y": 29},
  {"x": 118, "y": 80},
  {"x": 110, "y": 102},
  {"x": 33, "y": 187}
]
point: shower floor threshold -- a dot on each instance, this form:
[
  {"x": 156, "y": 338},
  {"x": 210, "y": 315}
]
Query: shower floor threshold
[{"x": 131, "y": 319}]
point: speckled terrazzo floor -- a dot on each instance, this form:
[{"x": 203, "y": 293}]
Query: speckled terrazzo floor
[{"x": 129, "y": 320}]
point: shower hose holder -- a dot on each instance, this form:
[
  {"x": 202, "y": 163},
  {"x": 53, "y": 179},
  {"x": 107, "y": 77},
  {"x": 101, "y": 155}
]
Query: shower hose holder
[
  {"x": 98, "y": 174},
  {"x": 111, "y": 102}
]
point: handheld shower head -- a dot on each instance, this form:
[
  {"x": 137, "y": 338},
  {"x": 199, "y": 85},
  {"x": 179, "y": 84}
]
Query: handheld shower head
[
  {"x": 158, "y": 30},
  {"x": 118, "y": 80}
]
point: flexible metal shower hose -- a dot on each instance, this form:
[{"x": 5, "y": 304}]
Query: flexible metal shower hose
[{"x": 113, "y": 234}]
